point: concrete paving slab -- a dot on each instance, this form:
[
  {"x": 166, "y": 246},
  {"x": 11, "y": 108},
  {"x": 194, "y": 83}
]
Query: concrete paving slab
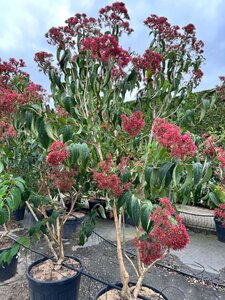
[{"x": 203, "y": 253}]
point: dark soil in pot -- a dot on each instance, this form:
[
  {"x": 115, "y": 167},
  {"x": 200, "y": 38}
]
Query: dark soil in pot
[
  {"x": 72, "y": 224},
  {"x": 147, "y": 293},
  {"x": 7, "y": 270},
  {"x": 49, "y": 281}
]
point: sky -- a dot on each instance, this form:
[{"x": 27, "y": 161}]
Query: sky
[{"x": 24, "y": 23}]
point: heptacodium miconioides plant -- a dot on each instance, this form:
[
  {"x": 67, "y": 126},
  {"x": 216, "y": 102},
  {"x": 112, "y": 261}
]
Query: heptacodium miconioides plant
[{"x": 139, "y": 157}]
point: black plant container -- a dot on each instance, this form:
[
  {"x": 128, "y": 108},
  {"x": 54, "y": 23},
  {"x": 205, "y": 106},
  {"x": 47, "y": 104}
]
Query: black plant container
[
  {"x": 19, "y": 213},
  {"x": 220, "y": 231},
  {"x": 65, "y": 289},
  {"x": 94, "y": 202},
  {"x": 70, "y": 227},
  {"x": 8, "y": 270},
  {"x": 107, "y": 288}
]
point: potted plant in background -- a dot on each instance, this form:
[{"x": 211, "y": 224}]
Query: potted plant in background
[
  {"x": 19, "y": 150},
  {"x": 11, "y": 191},
  {"x": 219, "y": 219},
  {"x": 63, "y": 170},
  {"x": 26, "y": 154}
]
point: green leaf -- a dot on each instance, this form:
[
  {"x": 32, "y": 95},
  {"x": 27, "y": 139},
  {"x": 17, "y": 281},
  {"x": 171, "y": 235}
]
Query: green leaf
[
  {"x": 84, "y": 154},
  {"x": 214, "y": 199},
  {"x": 125, "y": 176},
  {"x": 146, "y": 210},
  {"x": 14, "y": 250},
  {"x": 42, "y": 133},
  {"x": 16, "y": 195},
  {"x": 154, "y": 177},
  {"x": 166, "y": 172},
  {"x": 198, "y": 169},
  {"x": 5, "y": 257},
  {"x": 133, "y": 209},
  {"x": 74, "y": 153},
  {"x": 1, "y": 167},
  {"x": 50, "y": 131},
  {"x": 136, "y": 213},
  {"x": 68, "y": 103},
  {"x": 66, "y": 57},
  {"x": 101, "y": 211},
  {"x": 188, "y": 179},
  {"x": 4, "y": 216},
  {"x": 132, "y": 76},
  {"x": 207, "y": 171},
  {"x": 3, "y": 191},
  {"x": 123, "y": 199},
  {"x": 148, "y": 172},
  {"x": 205, "y": 106},
  {"x": 20, "y": 185},
  {"x": 67, "y": 133},
  {"x": 177, "y": 173},
  {"x": 87, "y": 227}
]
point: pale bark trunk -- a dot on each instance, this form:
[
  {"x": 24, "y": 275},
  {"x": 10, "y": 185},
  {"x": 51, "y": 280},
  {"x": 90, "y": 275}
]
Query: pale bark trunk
[{"x": 125, "y": 293}]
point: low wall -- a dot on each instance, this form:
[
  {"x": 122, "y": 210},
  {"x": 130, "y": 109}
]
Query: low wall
[{"x": 197, "y": 217}]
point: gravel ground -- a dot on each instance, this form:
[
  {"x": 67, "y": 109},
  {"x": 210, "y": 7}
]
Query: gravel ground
[{"x": 100, "y": 261}]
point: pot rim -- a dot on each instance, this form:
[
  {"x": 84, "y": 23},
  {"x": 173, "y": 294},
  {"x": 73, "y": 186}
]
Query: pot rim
[
  {"x": 57, "y": 282},
  {"x": 107, "y": 288}
]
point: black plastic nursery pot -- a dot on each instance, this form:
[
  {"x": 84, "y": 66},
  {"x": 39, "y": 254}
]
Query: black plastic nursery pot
[
  {"x": 93, "y": 202},
  {"x": 19, "y": 213},
  {"x": 8, "y": 270},
  {"x": 70, "y": 226},
  {"x": 65, "y": 289},
  {"x": 108, "y": 288},
  {"x": 220, "y": 231}
]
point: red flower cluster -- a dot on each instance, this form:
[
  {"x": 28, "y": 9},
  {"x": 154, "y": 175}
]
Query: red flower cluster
[
  {"x": 219, "y": 213},
  {"x": 66, "y": 36},
  {"x": 8, "y": 70},
  {"x": 44, "y": 60},
  {"x": 8, "y": 99},
  {"x": 7, "y": 130},
  {"x": 161, "y": 26},
  {"x": 33, "y": 93},
  {"x": 108, "y": 180},
  {"x": 168, "y": 233},
  {"x": 62, "y": 179},
  {"x": 209, "y": 148},
  {"x": 57, "y": 153},
  {"x": 115, "y": 17},
  {"x": 150, "y": 61},
  {"x": 61, "y": 112},
  {"x": 178, "y": 41},
  {"x": 169, "y": 136},
  {"x": 106, "y": 48},
  {"x": 133, "y": 125},
  {"x": 198, "y": 74},
  {"x": 11, "y": 97},
  {"x": 172, "y": 37},
  {"x": 220, "y": 89},
  {"x": 221, "y": 156},
  {"x": 189, "y": 29}
]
